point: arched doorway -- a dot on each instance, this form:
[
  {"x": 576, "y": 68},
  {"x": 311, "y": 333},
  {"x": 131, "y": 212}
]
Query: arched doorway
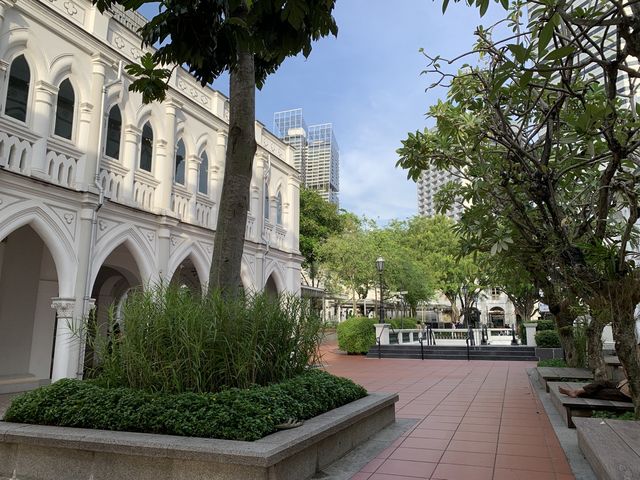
[
  {"x": 496, "y": 317},
  {"x": 270, "y": 288},
  {"x": 186, "y": 275},
  {"x": 118, "y": 274},
  {"x": 28, "y": 282}
]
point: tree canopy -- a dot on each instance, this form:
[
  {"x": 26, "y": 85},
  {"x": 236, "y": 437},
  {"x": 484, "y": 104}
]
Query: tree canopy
[{"x": 544, "y": 135}]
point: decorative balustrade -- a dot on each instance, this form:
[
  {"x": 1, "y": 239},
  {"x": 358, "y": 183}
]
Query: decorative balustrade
[
  {"x": 62, "y": 163},
  {"x": 111, "y": 179},
  {"x": 204, "y": 211},
  {"x": 16, "y": 145},
  {"x": 144, "y": 189},
  {"x": 446, "y": 336},
  {"x": 280, "y": 235},
  {"x": 180, "y": 198}
]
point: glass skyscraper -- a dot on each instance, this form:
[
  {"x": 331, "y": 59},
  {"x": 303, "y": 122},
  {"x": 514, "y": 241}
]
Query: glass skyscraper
[{"x": 316, "y": 156}]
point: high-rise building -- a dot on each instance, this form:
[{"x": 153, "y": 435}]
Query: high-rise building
[
  {"x": 290, "y": 127},
  {"x": 429, "y": 184},
  {"x": 316, "y": 156}
]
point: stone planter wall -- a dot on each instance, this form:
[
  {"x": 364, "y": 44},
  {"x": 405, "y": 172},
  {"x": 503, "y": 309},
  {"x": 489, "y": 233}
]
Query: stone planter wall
[
  {"x": 548, "y": 353},
  {"x": 38, "y": 452}
]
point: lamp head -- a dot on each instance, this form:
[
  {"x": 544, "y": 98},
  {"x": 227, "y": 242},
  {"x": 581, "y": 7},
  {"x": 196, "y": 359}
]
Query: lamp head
[{"x": 380, "y": 264}]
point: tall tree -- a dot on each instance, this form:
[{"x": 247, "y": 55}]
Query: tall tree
[
  {"x": 319, "y": 219},
  {"x": 250, "y": 39},
  {"x": 545, "y": 134}
]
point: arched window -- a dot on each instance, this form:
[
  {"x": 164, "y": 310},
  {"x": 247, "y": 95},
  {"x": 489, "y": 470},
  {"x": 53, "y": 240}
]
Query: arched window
[
  {"x": 178, "y": 176},
  {"x": 64, "y": 110},
  {"x": 279, "y": 208},
  {"x": 114, "y": 131},
  {"x": 266, "y": 202},
  {"x": 18, "y": 89},
  {"x": 203, "y": 174},
  {"x": 146, "y": 148}
]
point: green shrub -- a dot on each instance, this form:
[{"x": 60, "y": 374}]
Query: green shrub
[
  {"x": 552, "y": 362},
  {"x": 613, "y": 415},
  {"x": 233, "y": 414},
  {"x": 544, "y": 325},
  {"x": 406, "y": 323},
  {"x": 548, "y": 339},
  {"x": 522, "y": 333},
  {"x": 174, "y": 341},
  {"x": 356, "y": 334}
]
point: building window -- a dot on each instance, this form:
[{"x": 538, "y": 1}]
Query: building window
[
  {"x": 114, "y": 132},
  {"x": 495, "y": 291},
  {"x": 179, "y": 172},
  {"x": 266, "y": 202},
  {"x": 146, "y": 148},
  {"x": 279, "y": 208},
  {"x": 64, "y": 110},
  {"x": 203, "y": 174},
  {"x": 18, "y": 89}
]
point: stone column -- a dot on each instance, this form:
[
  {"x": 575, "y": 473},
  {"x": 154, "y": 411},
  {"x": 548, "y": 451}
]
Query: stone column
[
  {"x": 216, "y": 167},
  {"x": 130, "y": 156},
  {"x": 166, "y": 165},
  {"x": 164, "y": 253},
  {"x": 293, "y": 216},
  {"x": 96, "y": 117},
  {"x": 531, "y": 334},
  {"x": 67, "y": 346},
  {"x": 45, "y": 95},
  {"x": 193, "y": 164}
]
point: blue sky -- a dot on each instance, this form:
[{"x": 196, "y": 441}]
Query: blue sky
[{"x": 367, "y": 83}]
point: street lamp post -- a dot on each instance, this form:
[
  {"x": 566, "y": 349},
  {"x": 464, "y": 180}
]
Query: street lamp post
[{"x": 380, "y": 268}]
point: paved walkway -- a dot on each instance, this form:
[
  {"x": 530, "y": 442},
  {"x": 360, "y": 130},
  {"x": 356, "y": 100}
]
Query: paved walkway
[{"x": 478, "y": 420}]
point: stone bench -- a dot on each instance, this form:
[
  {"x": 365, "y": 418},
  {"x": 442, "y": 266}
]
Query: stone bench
[
  {"x": 612, "y": 447},
  {"x": 582, "y": 407},
  {"x": 562, "y": 374}
]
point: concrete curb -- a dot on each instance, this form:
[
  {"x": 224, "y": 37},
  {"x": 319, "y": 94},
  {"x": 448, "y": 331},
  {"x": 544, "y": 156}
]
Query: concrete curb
[{"x": 296, "y": 453}]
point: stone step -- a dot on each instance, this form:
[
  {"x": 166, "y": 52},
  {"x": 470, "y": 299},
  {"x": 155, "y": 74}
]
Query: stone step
[
  {"x": 20, "y": 383},
  {"x": 455, "y": 353}
]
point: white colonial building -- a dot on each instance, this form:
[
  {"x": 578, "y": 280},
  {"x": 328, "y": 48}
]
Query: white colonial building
[{"x": 100, "y": 193}]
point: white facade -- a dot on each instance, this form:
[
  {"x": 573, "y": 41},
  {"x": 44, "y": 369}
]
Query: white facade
[
  {"x": 62, "y": 249},
  {"x": 429, "y": 184}
]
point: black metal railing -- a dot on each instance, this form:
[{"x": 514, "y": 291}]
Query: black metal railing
[
  {"x": 470, "y": 341},
  {"x": 384, "y": 325}
]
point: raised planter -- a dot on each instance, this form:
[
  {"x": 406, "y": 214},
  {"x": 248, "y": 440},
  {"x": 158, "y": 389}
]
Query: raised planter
[
  {"x": 41, "y": 452},
  {"x": 544, "y": 353}
]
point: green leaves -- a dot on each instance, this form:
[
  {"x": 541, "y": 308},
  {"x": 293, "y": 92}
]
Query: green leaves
[{"x": 150, "y": 81}]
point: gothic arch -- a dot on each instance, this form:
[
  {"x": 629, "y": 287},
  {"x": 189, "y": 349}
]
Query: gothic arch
[
  {"x": 194, "y": 252},
  {"x": 47, "y": 226},
  {"x": 134, "y": 243},
  {"x": 274, "y": 270}
]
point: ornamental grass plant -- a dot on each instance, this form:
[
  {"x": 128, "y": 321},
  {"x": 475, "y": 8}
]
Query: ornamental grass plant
[{"x": 169, "y": 339}]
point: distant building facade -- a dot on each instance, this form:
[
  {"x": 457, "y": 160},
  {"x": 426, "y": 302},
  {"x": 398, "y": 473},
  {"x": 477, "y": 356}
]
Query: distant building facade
[
  {"x": 317, "y": 156},
  {"x": 429, "y": 184}
]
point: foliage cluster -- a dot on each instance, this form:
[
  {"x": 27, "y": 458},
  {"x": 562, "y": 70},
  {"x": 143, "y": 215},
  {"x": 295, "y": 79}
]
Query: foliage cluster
[
  {"x": 173, "y": 341},
  {"x": 233, "y": 414},
  {"x": 548, "y": 339},
  {"x": 552, "y": 362},
  {"x": 356, "y": 334},
  {"x": 543, "y": 325}
]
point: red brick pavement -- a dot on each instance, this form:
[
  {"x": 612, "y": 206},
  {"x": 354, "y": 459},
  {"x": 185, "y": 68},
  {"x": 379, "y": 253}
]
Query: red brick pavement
[{"x": 478, "y": 420}]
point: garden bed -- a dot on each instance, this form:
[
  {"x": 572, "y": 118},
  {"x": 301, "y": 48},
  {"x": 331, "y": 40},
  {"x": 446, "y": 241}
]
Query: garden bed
[{"x": 56, "y": 453}]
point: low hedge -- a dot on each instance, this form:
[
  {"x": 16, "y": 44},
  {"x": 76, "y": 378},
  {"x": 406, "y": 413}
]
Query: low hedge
[
  {"x": 234, "y": 414},
  {"x": 544, "y": 325},
  {"x": 548, "y": 339},
  {"x": 356, "y": 334}
]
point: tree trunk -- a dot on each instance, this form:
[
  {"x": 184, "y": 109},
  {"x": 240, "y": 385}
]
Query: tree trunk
[
  {"x": 594, "y": 349},
  {"x": 234, "y": 202},
  {"x": 564, "y": 317},
  {"x": 624, "y": 332}
]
